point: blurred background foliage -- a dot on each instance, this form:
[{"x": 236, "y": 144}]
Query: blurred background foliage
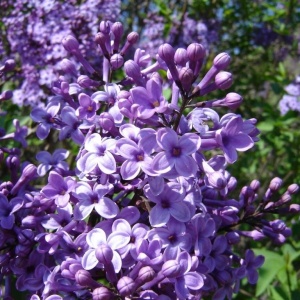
[{"x": 263, "y": 38}]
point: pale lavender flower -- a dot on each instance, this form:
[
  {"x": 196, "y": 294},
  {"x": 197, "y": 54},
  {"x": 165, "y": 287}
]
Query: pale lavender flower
[
  {"x": 174, "y": 236},
  {"x": 71, "y": 127},
  {"x": 59, "y": 188},
  {"x": 231, "y": 138},
  {"x": 54, "y": 161},
  {"x": 7, "y": 210},
  {"x": 168, "y": 203},
  {"x": 46, "y": 117},
  {"x": 98, "y": 155},
  {"x": 92, "y": 197},
  {"x": 97, "y": 237},
  {"x": 177, "y": 152},
  {"x": 87, "y": 108},
  {"x": 136, "y": 160},
  {"x": 149, "y": 100}
]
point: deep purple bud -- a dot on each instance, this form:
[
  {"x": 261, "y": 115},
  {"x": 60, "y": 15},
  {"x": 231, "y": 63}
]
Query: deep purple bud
[
  {"x": 278, "y": 226},
  {"x": 118, "y": 30},
  {"x": 181, "y": 57},
  {"x": 102, "y": 293},
  {"x": 186, "y": 76},
  {"x": 195, "y": 52},
  {"x": 104, "y": 254},
  {"x": 86, "y": 82},
  {"x": 68, "y": 67},
  {"x": 217, "y": 180},
  {"x": 232, "y": 237},
  {"x": 223, "y": 80},
  {"x": 84, "y": 278},
  {"x": 132, "y": 37},
  {"x": 293, "y": 188},
  {"x": 275, "y": 184},
  {"x": 255, "y": 185},
  {"x": 6, "y": 95},
  {"x": 71, "y": 44},
  {"x": 101, "y": 39},
  {"x": 8, "y": 66},
  {"x": 104, "y": 27},
  {"x": 171, "y": 269},
  {"x": 233, "y": 100},
  {"x": 116, "y": 61},
  {"x": 106, "y": 121},
  {"x": 232, "y": 183},
  {"x": 166, "y": 52},
  {"x": 222, "y": 61},
  {"x": 286, "y": 197},
  {"x": 132, "y": 70},
  {"x": 126, "y": 286},
  {"x": 145, "y": 274},
  {"x": 294, "y": 208}
]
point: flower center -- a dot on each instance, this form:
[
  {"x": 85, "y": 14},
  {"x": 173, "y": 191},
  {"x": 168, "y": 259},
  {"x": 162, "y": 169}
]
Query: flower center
[
  {"x": 140, "y": 157},
  {"x": 176, "y": 151},
  {"x": 155, "y": 103}
]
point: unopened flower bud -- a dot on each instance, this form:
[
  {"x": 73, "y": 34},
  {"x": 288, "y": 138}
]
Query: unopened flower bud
[
  {"x": 9, "y": 65},
  {"x": 68, "y": 67},
  {"x": 222, "y": 61},
  {"x": 217, "y": 180},
  {"x": 186, "y": 77},
  {"x": 232, "y": 183},
  {"x": 166, "y": 52},
  {"x": 232, "y": 237},
  {"x": 85, "y": 279},
  {"x": 294, "y": 208},
  {"x": 132, "y": 37},
  {"x": 223, "y": 80},
  {"x": 293, "y": 188},
  {"x": 104, "y": 27},
  {"x": 133, "y": 70},
  {"x": 102, "y": 293},
  {"x": 195, "y": 51},
  {"x": 118, "y": 30},
  {"x": 104, "y": 254},
  {"x": 145, "y": 274},
  {"x": 71, "y": 44},
  {"x": 275, "y": 184},
  {"x": 116, "y": 61},
  {"x": 126, "y": 286},
  {"x": 6, "y": 95},
  {"x": 86, "y": 82},
  {"x": 255, "y": 185},
  {"x": 233, "y": 100},
  {"x": 106, "y": 121},
  {"x": 171, "y": 269},
  {"x": 181, "y": 57},
  {"x": 100, "y": 39}
]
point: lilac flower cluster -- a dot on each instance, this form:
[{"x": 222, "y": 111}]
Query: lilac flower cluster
[
  {"x": 291, "y": 101},
  {"x": 34, "y": 31},
  {"x": 148, "y": 211}
]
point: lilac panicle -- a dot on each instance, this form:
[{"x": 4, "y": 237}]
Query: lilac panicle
[{"x": 147, "y": 206}]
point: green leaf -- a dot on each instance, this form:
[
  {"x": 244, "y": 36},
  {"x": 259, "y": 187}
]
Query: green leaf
[
  {"x": 279, "y": 294},
  {"x": 267, "y": 273},
  {"x": 266, "y": 126}
]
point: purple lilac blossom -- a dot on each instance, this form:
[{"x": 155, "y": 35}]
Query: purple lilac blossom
[
  {"x": 291, "y": 100},
  {"x": 148, "y": 206},
  {"x": 35, "y": 31}
]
